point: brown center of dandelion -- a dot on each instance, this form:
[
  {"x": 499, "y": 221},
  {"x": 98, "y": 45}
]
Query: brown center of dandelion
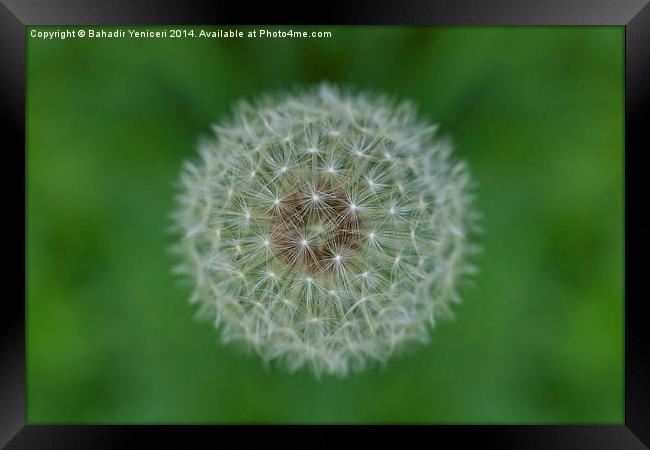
[{"x": 316, "y": 228}]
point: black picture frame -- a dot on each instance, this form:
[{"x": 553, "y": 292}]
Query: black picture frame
[{"x": 634, "y": 15}]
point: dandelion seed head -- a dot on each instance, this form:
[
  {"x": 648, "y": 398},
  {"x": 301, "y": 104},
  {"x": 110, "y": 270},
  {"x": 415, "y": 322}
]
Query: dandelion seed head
[{"x": 325, "y": 228}]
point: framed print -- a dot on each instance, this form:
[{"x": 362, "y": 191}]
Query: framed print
[{"x": 391, "y": 214}]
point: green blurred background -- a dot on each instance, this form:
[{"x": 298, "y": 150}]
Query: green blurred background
[{"x": 538, "y": 114}]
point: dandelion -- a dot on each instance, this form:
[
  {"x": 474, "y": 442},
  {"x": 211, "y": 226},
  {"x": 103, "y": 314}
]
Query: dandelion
[{"x": 324, "y": 228}]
